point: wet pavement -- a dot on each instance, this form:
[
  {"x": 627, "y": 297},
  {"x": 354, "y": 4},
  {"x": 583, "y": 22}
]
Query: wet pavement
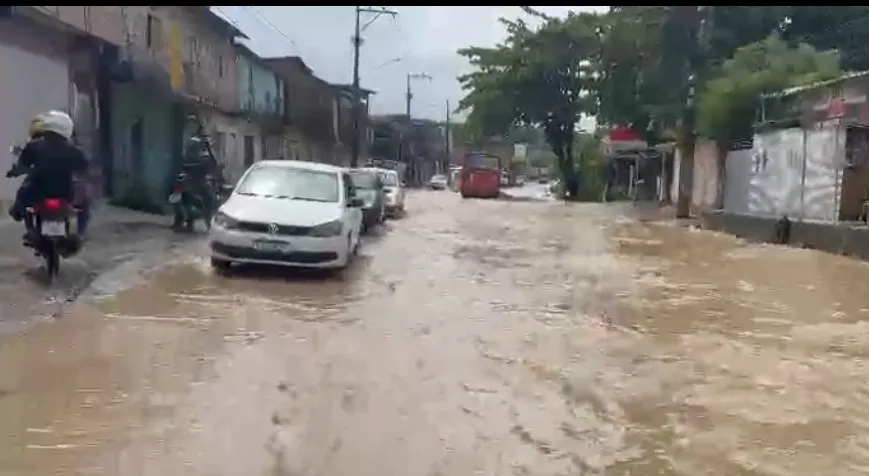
[
  {"x": 472, "y": 337},
  {"x": 124, "y": 245}
]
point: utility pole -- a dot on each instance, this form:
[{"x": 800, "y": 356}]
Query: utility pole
[
  {"x": 447, "y": 133},
  {"x": 355, "y": 143},
  {"x": 411, "y": 161}
]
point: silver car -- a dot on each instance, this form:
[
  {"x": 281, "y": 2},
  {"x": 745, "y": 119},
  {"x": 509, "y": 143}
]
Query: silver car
[{"x": 393, "y": 188}]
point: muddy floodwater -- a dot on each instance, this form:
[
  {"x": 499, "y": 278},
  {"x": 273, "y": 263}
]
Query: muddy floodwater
[{"x": 472, "y": 337}]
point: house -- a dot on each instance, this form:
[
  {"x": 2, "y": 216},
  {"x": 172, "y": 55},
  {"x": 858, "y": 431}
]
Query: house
[
  {"x": 257, "y": 129},
  {"x": 311, "y": 129},
  {"x": 808, "y": 159},
  {"x": 135, "y": 75},
  {"x": 346, "y": 124}
]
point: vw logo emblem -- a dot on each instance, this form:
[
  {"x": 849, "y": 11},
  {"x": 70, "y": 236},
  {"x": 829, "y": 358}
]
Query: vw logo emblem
[{"x": 273, "y": 228}]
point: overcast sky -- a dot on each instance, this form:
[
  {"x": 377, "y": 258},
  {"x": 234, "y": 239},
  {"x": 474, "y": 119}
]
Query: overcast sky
[{"x": 424, "y": 37}]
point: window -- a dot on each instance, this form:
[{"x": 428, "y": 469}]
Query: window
[
  {"x": 365, "y": 179},
  {"x": 220, "y": 66},
  {"x": 273, "y": 181},
  {"x": 153, "y": 32}
]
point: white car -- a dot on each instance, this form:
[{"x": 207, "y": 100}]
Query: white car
[
  {"x": 394, "y": 190},
  {"x": 438, "y": 182},
  {"x": 291, "y": 213}
]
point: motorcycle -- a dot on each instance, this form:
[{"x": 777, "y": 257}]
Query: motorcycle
[
  {"x": 189, "y": 204},
  {"x": 49, "y": 225}
]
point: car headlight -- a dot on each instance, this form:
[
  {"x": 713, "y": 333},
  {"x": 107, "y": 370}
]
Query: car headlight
[
  {"x": 223, "y": 220},
  {"x": 332, "y": 228}
]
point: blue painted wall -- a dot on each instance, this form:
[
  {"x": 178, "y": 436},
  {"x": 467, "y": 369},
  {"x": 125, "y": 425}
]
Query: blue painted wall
[
  {"x": 260, "y": 90},
  {"x": 147, "y": 167}
]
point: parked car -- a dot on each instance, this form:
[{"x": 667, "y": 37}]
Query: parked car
[
  {"x": 291, "y": 213},
  {"x": 370, "y": 189},
  {"x": 438, "y": 182},
  {"x": 393, "y": 188}
]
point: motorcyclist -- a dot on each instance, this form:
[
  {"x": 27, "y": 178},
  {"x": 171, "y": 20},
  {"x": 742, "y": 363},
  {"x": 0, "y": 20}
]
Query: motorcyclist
[
  {"x": 202, "y": 169},
  {"x": 51, "y": 161}
]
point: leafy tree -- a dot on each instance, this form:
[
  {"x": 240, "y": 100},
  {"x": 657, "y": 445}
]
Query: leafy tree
[
  {"x": 537, "y": 77},
  {"x": 729, "y": 100}
]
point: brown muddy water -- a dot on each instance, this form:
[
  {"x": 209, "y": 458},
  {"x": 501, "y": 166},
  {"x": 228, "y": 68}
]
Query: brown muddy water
[{"x": 473, "y": 337}]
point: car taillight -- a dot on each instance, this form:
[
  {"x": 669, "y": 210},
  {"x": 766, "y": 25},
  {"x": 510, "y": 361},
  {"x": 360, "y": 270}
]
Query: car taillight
[
  {"x": 52, "y": 204},
  {"x": 176, "y": 187}
]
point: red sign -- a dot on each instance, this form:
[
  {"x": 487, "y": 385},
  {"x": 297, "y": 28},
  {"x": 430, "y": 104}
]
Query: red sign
[
  {"x": 623, "y": 134},
  {"x": 835, "y": 109}
]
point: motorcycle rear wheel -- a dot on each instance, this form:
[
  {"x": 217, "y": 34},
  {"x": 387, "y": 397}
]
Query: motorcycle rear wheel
[{"x": 52, "y": 262}]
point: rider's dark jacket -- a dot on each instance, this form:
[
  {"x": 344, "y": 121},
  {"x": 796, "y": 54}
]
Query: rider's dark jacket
[{"x": 51, "y": 162}]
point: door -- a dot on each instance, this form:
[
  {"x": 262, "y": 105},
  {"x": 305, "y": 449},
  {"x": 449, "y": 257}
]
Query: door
[{"x": 248, "y": 151}]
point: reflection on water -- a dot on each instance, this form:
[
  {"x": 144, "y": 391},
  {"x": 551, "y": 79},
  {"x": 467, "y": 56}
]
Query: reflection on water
[{"x": 475, "y": 337}]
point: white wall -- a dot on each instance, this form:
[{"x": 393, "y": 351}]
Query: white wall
[{"x": 767, "y": 179}]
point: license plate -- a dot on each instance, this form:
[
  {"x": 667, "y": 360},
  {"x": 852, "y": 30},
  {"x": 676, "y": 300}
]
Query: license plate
[
  {"x": 174, "y": 198},
  {"x": 271, "y": 246},
  {"x": 53, "y": 228}
]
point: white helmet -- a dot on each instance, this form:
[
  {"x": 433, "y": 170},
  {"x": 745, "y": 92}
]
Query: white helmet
[{"x": 58, "y": 122}]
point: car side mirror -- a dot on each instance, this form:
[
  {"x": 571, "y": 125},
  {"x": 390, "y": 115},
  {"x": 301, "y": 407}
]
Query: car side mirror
[{"x": 355, "y": 202}]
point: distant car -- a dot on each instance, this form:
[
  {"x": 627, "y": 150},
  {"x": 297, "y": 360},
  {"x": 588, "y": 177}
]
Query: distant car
[
  {"x": 290, "y": 213},
  {"x": 370, "y": 189},
  {"x": 520, "y": 181},
  {"x": 393, "y": 188},
  {"x": 438, "y": 182},
  {"x": 505, "y": 179},
  {"x": 542, "y": 180}
]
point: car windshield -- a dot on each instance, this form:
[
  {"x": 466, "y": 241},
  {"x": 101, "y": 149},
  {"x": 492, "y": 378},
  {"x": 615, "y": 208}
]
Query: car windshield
[
  {"x": 389, "y": 179},
  {"x": 292, "y": 183},
  {"x": 364, "y": 178}
]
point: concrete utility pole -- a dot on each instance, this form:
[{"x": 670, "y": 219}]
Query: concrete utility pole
[
  {"x": 447, "y": 133},
  {"x": 411, "y": 161},
  {"x": 357, "y": 96}
]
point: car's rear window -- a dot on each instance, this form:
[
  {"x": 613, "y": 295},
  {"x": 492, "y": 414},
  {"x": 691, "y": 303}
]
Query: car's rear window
[
  {"x": 364, "y": 178},
  {"x": 390, "y": 179},
  {"x": 291, "y": 183}
]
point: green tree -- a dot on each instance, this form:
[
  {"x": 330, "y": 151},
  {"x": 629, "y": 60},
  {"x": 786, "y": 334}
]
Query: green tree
[
  {"x": 538, "y": 77},
  {"x": 729, "y": 100}
]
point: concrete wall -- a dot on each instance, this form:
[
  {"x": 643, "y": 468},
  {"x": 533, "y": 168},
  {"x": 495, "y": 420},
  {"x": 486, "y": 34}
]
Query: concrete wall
[
  {"x": 833, "y": 238},
  {"x": 705, "y": 176},
  {"x": 767, "y": 181},
  {"x": 206, "y": 49}
]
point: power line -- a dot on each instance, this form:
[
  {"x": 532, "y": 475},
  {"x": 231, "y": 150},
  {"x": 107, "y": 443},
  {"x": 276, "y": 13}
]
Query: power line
[{"x": 271, "y": 25}]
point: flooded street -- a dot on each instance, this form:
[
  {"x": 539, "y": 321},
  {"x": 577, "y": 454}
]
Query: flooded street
[{"x": 472, "y": 337}]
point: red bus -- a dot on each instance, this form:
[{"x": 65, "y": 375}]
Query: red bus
[{"x": 480, "y": 176}]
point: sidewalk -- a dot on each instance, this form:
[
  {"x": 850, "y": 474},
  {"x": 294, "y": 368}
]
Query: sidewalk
[
  {"x": 107, "y": 222},
  {"x": 121, "y": 244}
]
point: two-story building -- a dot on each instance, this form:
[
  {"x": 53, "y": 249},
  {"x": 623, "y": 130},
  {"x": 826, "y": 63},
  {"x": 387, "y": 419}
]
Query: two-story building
[
  {"x": 257, "y": 129},
  {"x": 310, "y": 111},
  {"x": 134, "y": 76}
]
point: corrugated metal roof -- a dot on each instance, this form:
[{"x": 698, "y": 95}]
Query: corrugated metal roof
[{"x": 819, "y": 84}]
